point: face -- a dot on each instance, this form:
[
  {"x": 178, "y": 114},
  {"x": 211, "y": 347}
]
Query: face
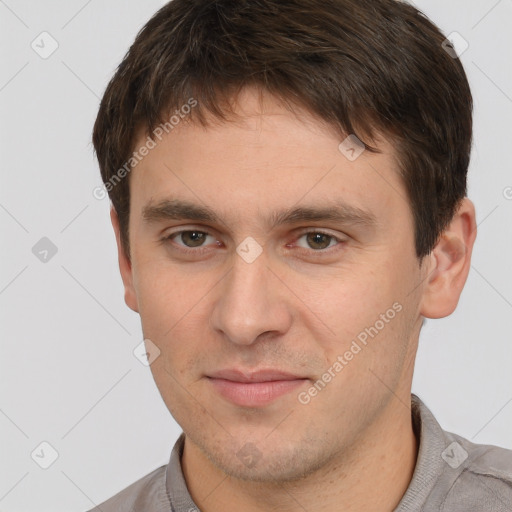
[{"x": 278, "y": 279}]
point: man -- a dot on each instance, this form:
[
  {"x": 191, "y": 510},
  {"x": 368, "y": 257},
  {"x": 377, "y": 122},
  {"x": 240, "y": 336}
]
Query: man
[{"x": 288, "y": 181}]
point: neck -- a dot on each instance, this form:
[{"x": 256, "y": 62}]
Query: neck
[{"x": 373, "y": 476}]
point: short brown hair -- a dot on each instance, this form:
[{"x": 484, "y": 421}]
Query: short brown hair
[{"x": 363, "y": 67}]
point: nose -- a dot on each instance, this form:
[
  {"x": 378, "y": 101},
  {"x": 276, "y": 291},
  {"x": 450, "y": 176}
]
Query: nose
[{"x": 251, "y": 303}]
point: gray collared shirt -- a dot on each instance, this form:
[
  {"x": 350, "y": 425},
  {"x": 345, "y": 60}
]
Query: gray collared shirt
[{"x": 451, "y": 475}]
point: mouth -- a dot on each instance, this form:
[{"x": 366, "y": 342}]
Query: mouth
[{"x": 254, "y": 389}]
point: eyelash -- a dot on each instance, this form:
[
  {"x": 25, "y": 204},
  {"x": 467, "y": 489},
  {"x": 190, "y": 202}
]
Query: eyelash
[{"x": 202, "y": 249}]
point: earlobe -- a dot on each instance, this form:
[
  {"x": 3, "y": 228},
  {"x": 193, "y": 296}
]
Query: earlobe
[
  {"x": 125, "y": 266},
  {"x": 449, "y": 264}
]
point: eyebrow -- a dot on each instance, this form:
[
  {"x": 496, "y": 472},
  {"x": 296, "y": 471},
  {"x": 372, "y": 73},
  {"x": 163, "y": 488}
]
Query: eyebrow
[{"x": 340, "y": 212}]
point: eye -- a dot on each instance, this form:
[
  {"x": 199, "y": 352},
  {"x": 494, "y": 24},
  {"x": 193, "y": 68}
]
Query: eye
[
  {"x": 190, "y": 239},
  {"x": 318, "y": 240}
]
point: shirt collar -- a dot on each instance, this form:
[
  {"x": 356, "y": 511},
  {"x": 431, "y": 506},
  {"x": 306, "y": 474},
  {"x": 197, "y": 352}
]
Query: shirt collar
[{"x": 429, "y": 464}]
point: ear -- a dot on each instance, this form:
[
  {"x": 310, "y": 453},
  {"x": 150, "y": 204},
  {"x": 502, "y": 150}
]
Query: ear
[
  {"x": 125, "y": 266},
  {"x": 449, "y": 264}
]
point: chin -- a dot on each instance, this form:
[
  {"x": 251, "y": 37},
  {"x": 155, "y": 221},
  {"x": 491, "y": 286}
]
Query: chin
[{"x": 267, "y": 463}]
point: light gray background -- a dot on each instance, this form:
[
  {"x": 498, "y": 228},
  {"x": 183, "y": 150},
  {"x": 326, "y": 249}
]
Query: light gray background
[{"x": 68, "y": 374}]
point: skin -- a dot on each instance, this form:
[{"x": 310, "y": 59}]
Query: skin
[{"x": 296, "y": 308}]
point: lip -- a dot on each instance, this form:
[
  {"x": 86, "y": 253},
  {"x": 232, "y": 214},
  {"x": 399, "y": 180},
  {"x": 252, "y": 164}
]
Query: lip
[
  {"x": 254, "y": 389},
  {"x": 266, "y": 375}
]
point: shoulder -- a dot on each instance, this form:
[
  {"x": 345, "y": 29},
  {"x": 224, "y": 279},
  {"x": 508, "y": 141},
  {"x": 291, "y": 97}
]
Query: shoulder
[
  {"x": 453, "y": 474},
  {"x": 480, "y": 477},
  {"x": 148, "y": 494}
]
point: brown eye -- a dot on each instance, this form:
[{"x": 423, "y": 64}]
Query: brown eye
[
  {"x": 319, "y": 240},
  {"x": 192, "y": 238}
]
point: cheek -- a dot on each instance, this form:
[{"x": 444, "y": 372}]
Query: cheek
[
  {"x": 347, "y": 301},
  {"x": 174, "y": 311},
  {"x": 365, "y": 316},
  {"x": 168, "y": 295}
]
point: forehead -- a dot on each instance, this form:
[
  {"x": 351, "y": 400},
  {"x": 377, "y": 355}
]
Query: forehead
[{"x": 267, "y": 157}]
